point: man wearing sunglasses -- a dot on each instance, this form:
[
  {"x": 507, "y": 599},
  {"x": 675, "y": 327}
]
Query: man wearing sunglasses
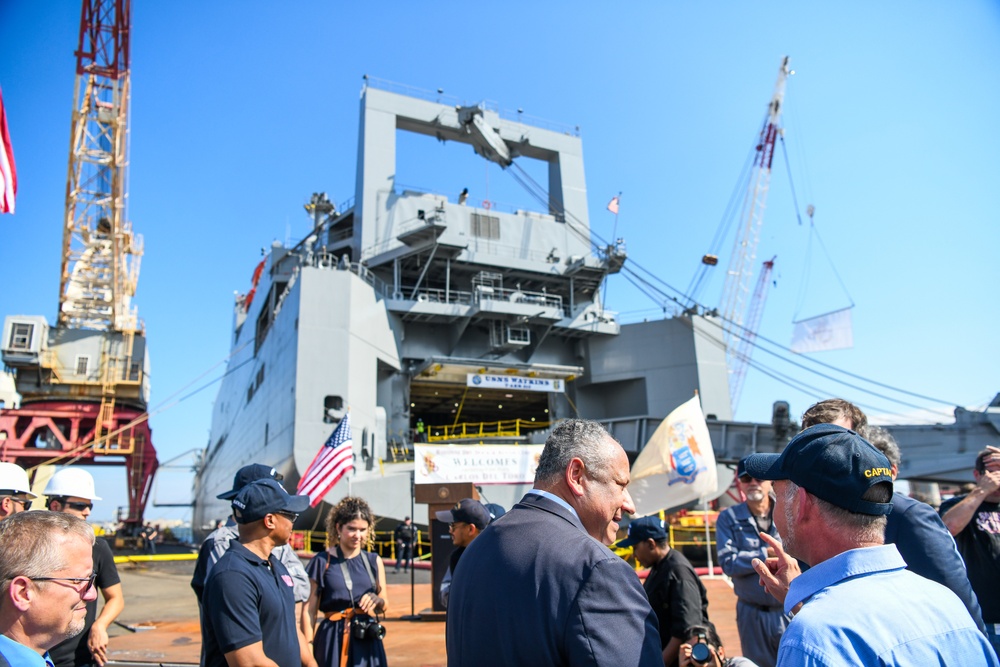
[
  {"x": 760, "y": 618},
  {"x": 46, "y": 580},
  {"x": 71, "y": 491},
  {"x": 218, "y": 542},
  {"x": 15, "y": 492},
  {"x": 248, "y": 605}
]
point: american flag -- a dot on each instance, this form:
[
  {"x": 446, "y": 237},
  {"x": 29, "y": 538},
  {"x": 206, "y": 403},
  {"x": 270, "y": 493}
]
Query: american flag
[
  {"x": 8, "y": 172},
  {"x": 332, "y": 461}
]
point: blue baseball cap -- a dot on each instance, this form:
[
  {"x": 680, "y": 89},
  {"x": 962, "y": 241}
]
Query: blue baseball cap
[
  {"x": 467, "y": 511},
  {"x": 248, "y": 474},
  {"x": 265, "y": 496},
  {"x": 646, "y": 528},
  {"x": 496, "y": 511},
  {"x": 830, "y": 462}
]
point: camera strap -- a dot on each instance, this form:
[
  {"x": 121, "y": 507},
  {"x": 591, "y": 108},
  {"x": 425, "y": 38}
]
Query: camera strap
[{"x": 347, "y": 575}]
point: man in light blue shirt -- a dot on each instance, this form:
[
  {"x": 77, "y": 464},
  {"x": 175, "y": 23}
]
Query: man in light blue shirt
[
  {"x": 46, "y": 580},
  {"x": 857, "y": 604}
]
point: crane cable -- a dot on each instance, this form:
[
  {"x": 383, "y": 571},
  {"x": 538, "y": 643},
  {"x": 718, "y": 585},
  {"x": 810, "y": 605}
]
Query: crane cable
[{"x": 539, "y": 192}]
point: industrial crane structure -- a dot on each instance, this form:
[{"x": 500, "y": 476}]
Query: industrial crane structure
[
  {"x": 736, "y": 296},
  {"x": 84, "y": 382},
  {"x": 748, "y": 336}
]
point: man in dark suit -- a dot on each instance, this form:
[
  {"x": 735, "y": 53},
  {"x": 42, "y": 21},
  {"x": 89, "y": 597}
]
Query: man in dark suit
[{"x": 538, "y": 587}]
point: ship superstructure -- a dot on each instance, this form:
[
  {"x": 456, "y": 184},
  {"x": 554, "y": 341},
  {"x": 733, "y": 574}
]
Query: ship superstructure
[{"x": 398, "y": 301}]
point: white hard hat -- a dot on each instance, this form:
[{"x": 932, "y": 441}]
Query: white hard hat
[
  {"x": 71, "y": 481},
  {"x": 13, "y": 478}
]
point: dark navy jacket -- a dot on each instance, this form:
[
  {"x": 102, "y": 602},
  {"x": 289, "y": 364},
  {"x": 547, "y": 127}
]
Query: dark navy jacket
[
  {"x": 536, "y": 589},
  {"x": 929, "y": 549}
]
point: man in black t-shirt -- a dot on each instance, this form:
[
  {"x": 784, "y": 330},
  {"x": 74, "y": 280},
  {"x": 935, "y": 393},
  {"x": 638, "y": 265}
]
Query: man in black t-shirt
[
  {"x": 974, "y": 520},
  {"x": 71, "y": 490},
  {"x": 675, "y": 592}
]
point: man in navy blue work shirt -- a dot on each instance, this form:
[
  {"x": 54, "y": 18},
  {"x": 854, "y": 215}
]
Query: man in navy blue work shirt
[
  {"x": 858, "y": 604},
  {"x": 249, "y": 608}
]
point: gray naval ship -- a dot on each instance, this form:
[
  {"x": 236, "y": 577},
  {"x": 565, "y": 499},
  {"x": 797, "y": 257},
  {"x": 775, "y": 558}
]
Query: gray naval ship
[{"x": 397, "y": 298}]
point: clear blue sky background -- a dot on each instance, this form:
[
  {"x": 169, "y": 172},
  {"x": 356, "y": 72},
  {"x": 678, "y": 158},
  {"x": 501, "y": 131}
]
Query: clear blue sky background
[{"x": 240, "y": 110}]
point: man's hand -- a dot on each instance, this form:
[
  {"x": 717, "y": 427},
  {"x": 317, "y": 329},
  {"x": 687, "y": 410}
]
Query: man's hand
[
  {"x": 777, "y": 572},
  {"x": 97, "y": 642},
  {"x": 989, "y": 481}
]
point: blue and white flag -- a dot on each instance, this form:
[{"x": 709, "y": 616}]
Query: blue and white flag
[{"x": 677, "y": 465}]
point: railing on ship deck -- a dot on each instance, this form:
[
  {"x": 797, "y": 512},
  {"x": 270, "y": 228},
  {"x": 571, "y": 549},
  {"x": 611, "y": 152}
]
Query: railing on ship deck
[
  {"x": 510, "y": 428},
  {"x": 688, "y": 535},
  {"x": 314, "y": 541}
]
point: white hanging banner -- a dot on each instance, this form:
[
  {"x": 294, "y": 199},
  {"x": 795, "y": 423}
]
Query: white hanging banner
[
  {"x": 515, "y": 382},
  {"x": 479, "y": 464},
  {"x": 832, "y": 331}
]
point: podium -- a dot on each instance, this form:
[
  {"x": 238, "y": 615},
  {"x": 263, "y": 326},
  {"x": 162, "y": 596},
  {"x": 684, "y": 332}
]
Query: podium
[{"x": 440, "y": 497}]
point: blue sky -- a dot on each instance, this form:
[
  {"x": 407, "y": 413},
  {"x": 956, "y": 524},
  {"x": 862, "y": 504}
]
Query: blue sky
[{"x": 241, "y": 110}]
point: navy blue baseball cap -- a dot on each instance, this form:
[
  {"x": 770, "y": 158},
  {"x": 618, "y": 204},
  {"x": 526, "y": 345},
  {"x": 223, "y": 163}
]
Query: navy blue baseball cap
[
  {"x": 830, "y": 462},
  {"x": 248, "y": 474},
  {"x": 265, "y": 496},
  {"x": 496, "y": 511},
  {"x": 741, "y": 467},
  {"x": 646, "y": 528},
  {"x": 467, "y": 511}
]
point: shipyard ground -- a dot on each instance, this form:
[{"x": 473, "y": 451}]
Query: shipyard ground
[{"x": 162, "y": 611}]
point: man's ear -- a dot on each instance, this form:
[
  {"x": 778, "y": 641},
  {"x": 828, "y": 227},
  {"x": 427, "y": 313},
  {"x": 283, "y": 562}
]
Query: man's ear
[
  {"x": 21, "y": 593},
  {"x": 576, "y": 471}
]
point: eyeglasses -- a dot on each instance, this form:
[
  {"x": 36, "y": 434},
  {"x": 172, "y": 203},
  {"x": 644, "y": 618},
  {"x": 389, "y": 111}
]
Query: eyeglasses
[
  {"x": 291, "y": 516},
  {"x": 79, "y": 507},
  {"x": 23, "y": 502},
  {"x": 77, "y": 580},
  {"x": 455, "y": 524},
  {"x": 746, "y": 479}
]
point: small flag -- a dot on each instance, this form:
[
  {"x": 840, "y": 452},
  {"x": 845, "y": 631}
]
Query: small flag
[
  {"x": 331, "y": 463},
  {"x": 677, "y": 465},
  {"x": 8, "y": 172},
  {"x": 613, "y": 205}
]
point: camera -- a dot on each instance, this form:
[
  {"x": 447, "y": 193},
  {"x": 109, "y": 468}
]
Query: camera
[
  {"x": 367, "y": 628},
  {"x": 700, "y": 654}
]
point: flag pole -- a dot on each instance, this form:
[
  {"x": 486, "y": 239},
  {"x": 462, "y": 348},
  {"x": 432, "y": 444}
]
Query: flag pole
[
  {"x": 413, "y": 616},
  {"x": 614, "y": 231},
  {"x": 708, "y": 540}
]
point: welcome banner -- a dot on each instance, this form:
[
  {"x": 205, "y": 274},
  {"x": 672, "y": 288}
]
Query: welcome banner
[{"x": 479, "y": 464}]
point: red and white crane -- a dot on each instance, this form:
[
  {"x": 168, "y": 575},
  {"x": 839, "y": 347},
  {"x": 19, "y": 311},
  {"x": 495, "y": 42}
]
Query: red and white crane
[
  {"x": 84, "y": 383},
  {"x": 736, "y": 296}
]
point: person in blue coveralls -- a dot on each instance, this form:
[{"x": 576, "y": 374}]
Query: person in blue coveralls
[
  {"x": 46, "y": 580},
  {"x": 760, "y": 618},
  {"x": 249, "y": 606},
  {"x": 857, "y": 604}
]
